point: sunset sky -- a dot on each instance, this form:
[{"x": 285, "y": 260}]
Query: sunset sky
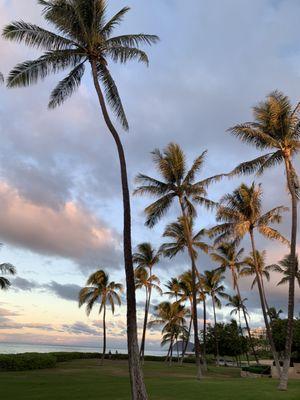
[{"x": 61, "y": 210}]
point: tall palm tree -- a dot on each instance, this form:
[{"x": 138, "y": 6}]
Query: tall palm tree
[
  {"x": 100, "y": 290},
  {"x": 276, "y": 129},
  {"x": 229, "y": 257},
  {"x": 172, "y": 317},
  {"x": 177, "y": 233},
  {"x": 143, "y": 279},
  {"x": 249, "y": 269},
  {"x": 9, "y": 269},
  {"x": 212, "y": 285},
  {"x": 284, "y": 268},
  {"x": 83, "y": 35},
  {"x": 240, "y": 213},
  {"x": 177, "y": 183}
]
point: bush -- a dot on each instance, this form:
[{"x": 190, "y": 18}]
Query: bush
[
  {"x": 26, "y": 361},
  {"x": 69, "y": 356},
  {"x": 258, "y": 369}
]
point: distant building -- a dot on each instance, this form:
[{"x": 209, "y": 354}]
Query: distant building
[{"x": 259, "y": 333}]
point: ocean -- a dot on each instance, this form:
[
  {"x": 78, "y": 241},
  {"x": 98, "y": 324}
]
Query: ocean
[{"x": 15, "y": 348}]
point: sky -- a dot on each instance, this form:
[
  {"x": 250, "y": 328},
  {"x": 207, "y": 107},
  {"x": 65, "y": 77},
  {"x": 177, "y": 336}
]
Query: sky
[{"x": 61, "y": 209}]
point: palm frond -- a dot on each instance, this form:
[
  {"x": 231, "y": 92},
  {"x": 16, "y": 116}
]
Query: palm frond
[
  {"x": 108, "y": 28},
  {"x": 158, "y": 209},
  {"x": 132, "y": 40},
  {"x": 124, "y": 54},
  {"x": 112, "y": 95},
  {"x": 67, "y": 86}
]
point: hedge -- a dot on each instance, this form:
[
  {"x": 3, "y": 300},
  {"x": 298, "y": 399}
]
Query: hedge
[
  {"x": 26, "y": 361},
  {"x": 258, "y": 369}
]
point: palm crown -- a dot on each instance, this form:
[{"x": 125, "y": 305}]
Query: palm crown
[
  {"x": 6, "y": 268},
  {"x": 250, "y": 267},
  {"x": 146, "y": 256},
  {"x": 82, "y": 34},
  {"x": 176, "y": 233},
  {"x": 144, "y": 279},
  {"x": 237, "y": 304},
  {"x": 284, "y": 268},
  {"x": 212, "y": 285},
  {"x": 276, "y": 127},
  {"x": 100, "y": 289},
  {"x": 241, "y": 212},
  {"x": 176, "y": 181},
  {"x": 229, "y": 257}
]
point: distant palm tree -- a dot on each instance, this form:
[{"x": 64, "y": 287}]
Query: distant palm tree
[
  {"x": 83, "y": 35},
  {"x": 146, "y": 257},
  {"x": 143, "y": 279},
  {"x": 212, "y": 285},
  {"x": 274, "y": 314},
  {"x": 181, "y": 184},
  {"x": 284, "y": 268},
  {"x": 240, "y": 213},
  {"x": 229, "y": 257},
  {"x": 1, "y": 78},
  {"x": 237, "y": 304},
  {"x": 276, "y": 129},
  {"x": 100, "y": 290},
  {"x": 6, "y": 269},
  {"x": 172, "y": 317},
  {"x": 249, "y": 270},
  {"x": 174, "y": 288}
]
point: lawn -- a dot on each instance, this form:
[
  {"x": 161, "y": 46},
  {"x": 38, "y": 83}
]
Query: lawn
[{"x": 86, "y": 380}]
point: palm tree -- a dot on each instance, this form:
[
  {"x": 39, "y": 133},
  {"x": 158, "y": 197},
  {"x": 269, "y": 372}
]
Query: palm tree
[
  {"x": 6, "y": 268},
  {"x": 284, "y": 268},
  {"x": 274, "y": 314},
  {"x": 83, "y": 35},
  {"x": 177, "y": 233},
  {"x": 172, "y": 317},
  {"x": 174, "y": 288},
  {"x": 229, "y": 257},
  {"x": 237, "y": 304},
  {"x": 177, "y": 183},
  {"x": 240, "y": 213},
  {"x": 100, "y": 290},
  {"x": 276, "y": 129},
  {"x": 212, "y": 285},
  {"x": 249, "y": 269},
  {"x": 143, "y": 279}
]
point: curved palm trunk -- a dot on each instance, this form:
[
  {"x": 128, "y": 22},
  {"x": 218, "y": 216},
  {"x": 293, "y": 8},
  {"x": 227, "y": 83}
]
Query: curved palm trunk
[
  {"x": 147, "y": 306},
  {"x": 215, "y": 329},
  {"x": 291, "y": 300},
  {"x": 264, "y": 294},
  {"x": 104, "y": 335},
  {"x": 194, "y": 291},
  {"x": 246, "y": 321},
  {"x": 263, "y": 307},
  {"x": 187, "y": 340},
  {"x": 138, "y": 389}
]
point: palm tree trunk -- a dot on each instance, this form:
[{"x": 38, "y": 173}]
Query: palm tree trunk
[
  {"x": 147, "y": 305},
  {"x": 247, "y": 323},
  {"x": 291, "y": 300},
  {"x": 138, "y": 389},
  {"x": 169, "y": 351},
  {"x": 194, "y": 291},
  {"x": 204, "y": 335},
  {"x": 215, "y": 330},
  {"x": 263, "y": 306},
  {"x": 104, "y": 335},
  {"x": 187, "y": 341}
]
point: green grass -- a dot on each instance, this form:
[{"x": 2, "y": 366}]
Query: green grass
[{"x": 86, "y": 380}]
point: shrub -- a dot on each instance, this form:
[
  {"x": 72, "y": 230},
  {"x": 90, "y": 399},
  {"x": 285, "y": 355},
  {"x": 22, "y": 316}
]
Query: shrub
[
  {"x": 258, "y": 369},
  {"x": 26, "y": 361},
  {"x": 69, "y": 356}
]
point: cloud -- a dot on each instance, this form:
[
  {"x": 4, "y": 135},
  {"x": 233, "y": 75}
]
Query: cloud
[
  {"x": 66, "y": 292},
  {"x": 70, "y": 232},
  {"x": 79, "y": 328},
  {"x": 24, "y": 284}
]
